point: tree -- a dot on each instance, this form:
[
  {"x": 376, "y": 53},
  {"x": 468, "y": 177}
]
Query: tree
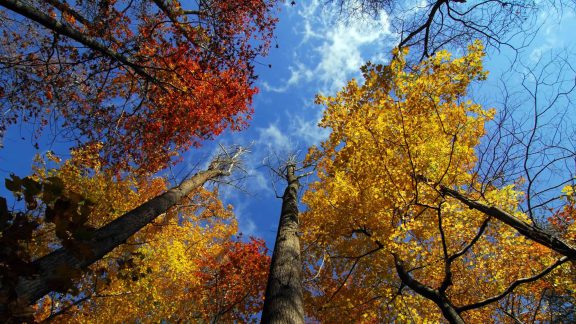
[
  {"x": 82, "y": 245},
  {"x": 185, "y": 264},
  {"x": 429, "y": 26},
  {"x": 180, "y": 272},
  {"x": 386, "y": 214},
  {"x": 283, "y": 301},
  {"x": 137, "y": 82}
]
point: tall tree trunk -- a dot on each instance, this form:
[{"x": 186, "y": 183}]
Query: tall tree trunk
[
  {"x": 50, "y": 267},
  {"x": 283, "y": 302}
]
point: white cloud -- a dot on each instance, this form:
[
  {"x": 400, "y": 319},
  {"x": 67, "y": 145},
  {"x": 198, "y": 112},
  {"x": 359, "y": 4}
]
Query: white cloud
[
  {"x": 246, "y": 224},
  {"x": 297, "y": 74},
  {"x": 341, "y": 53},
  {"x": 331, "y": 51},
  {"x": 273, "y": 138},
  {"x": 557, "y": 28},
  {"x": 308, "y": 130}
]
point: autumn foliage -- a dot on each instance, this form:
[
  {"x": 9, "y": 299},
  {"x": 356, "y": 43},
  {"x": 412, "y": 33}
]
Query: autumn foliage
[
  {"x": 398, "y": 224},
  {"x": 234, "y": 281},
  {"x": 384, "y": 244},
  {"x": 186, "y": 264},
  {"x": 138, "y": 82}
]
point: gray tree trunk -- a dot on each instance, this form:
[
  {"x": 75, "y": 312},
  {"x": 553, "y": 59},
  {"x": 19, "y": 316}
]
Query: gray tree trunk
[
  {"x": 105, "y": 239},
  {"x": 284, "y": 300}
]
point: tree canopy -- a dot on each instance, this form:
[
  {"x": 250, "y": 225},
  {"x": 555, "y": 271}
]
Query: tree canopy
[
  {"x": 422, "y": 204},
  {"x": 386, "y": 239},
  {"x": 140, "y": 82}
]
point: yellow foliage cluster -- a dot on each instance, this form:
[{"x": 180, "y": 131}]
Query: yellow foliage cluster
[
  {"x": 155, "y": 275},
  {"x": 400, "y": 125}
]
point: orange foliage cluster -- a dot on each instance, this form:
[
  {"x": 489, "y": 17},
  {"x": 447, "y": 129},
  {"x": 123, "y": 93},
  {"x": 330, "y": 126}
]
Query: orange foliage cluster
[{"x": 170, "y": 78}]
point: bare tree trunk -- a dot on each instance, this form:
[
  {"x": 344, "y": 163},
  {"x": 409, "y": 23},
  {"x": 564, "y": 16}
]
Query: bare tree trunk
[
  {"x": 283, "y": 303},
  {"x": 50, "y": 267}
]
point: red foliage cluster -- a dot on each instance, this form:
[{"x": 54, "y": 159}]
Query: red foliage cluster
[
  {"x": 146, "y": 79},
  {"x": 235, "y": 281},
  {"x": 562, "y": 221}
]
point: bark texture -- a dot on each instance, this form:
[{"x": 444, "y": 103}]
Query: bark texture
[
  {"x": 105, "y": 239},
  {"x": 284, "y": 300},
  {"x": 529, "y": 231},
  {"x": 448, "y": 310}
]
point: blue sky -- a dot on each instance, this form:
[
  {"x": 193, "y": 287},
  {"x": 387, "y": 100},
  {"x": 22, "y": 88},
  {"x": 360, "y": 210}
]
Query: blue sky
[{"x": 317, "y": 53}]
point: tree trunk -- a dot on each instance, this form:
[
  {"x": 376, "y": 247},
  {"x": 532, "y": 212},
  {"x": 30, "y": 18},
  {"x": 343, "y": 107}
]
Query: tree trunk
[
  {"x": 283, "y": 302},
  {"x": 105, "y": 239}
]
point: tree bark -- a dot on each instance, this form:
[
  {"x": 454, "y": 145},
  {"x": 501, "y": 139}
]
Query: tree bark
[
  {"x": 529, "y": 231},
  {"x": 448, "y": 310},
  {"x": 284, "y": 300},
  {"x": 105, "y": 239}
]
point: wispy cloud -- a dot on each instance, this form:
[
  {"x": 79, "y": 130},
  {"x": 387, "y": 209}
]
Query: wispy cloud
[
  {"x": 555, "y": 27},
  {"x": 298, "y": 73},
  {"x": 273, "y": 138},
  {"x": 331, "y": 51},
  {"x": 246, "y": 224},
  {"x": 307, "y": 129}
]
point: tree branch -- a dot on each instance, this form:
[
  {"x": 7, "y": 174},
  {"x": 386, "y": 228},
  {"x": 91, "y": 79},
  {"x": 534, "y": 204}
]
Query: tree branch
[
  {"x": 426, "y": 27},
  {"x": 513, "y": 286},
  {"x": 65, "y": 8},
  {"x": 173, "y": 16},
  {"x": 522, "y": 227},
  {"x": 472, "y": 242},
  {"x": 448, "y": 310},
  {"x": 45, "y": 20}
]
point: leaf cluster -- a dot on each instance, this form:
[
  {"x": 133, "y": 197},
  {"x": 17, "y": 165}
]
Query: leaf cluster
[{"x": 384, "y": 245}]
